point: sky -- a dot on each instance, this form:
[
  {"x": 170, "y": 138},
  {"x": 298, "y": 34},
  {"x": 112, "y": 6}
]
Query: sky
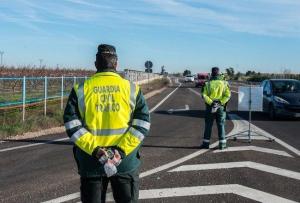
[{"x": 259, "y": 35}]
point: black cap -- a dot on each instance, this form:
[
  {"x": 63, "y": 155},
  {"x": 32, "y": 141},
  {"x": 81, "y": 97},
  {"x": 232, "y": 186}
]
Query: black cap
[
  {"x": 106, "y": 49},
  {"x": 215, "y": 71}
]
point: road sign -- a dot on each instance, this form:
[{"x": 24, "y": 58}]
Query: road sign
[{"x": 148, "y": 65}]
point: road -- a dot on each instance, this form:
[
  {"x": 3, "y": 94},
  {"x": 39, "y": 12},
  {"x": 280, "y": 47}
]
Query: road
[{"x": 174, "y": 169}]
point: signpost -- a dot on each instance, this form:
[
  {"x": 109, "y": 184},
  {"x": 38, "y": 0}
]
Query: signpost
[{"x": 148, "y": 65}]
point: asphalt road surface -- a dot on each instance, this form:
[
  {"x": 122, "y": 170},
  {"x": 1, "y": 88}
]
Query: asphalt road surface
[{"x": 174, "y": 169}]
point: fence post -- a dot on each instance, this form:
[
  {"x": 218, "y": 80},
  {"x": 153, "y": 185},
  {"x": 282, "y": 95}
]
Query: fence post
[
  {"x": 62, "y": 93},
  {"x": 74, "y": 80},
  {"x": 24, "y": 97},
  {"x": 45, "y": 94}
]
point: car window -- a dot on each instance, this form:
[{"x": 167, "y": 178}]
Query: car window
[{"x": 286, "y": 86}]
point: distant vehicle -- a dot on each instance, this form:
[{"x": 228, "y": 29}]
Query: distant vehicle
[
  {"x": 201, "y": 79},
  {"x": 189, "y": 78},
  {"x": 281, "y": 97}
]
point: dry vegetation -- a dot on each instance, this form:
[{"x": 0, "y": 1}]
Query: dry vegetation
[{"x": 31, "y": 71}]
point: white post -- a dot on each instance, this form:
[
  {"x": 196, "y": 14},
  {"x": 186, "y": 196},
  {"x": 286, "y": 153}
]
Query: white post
[
  {"x": 45, "y": 94},
  {"x": 74, "y": 80},
  {"x": 24, "y": 97},
  {"x": 62, "y": 93}
]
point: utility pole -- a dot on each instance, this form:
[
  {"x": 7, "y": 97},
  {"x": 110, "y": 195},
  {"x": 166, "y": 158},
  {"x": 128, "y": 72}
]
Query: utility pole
[
  {"x": 1, "y": 53},
  {"x": 41, "y": 61}
]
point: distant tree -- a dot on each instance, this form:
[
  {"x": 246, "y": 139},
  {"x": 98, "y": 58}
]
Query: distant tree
[
  {"x": 163, "y": 70},
  {"x": 230, "y": 72},
  {"x": 248, "y": 73},
  {"x": 238, "y": 76},
  {"x": 187, "y": 72}
]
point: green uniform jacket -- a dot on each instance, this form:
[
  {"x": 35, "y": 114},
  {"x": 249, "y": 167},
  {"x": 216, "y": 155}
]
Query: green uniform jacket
[
  {"x": 89, "y": 166},
  {"x": 216, "y": 89}
]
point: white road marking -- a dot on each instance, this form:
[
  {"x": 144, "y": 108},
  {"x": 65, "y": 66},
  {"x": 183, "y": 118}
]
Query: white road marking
[
  {"x": 142, "y": 175},
  {"x": 177, "y": 162},
  {"x": 240, "y": 190},
  {"x": 162, "y": 101},
  {"x": 179, "y": 110},
  {"x": 32, "y": 145},
  {"x": 248, "y": 164},
  {"x": 197, "y": 93},
  {"x": 241, "y": 125},
  {"x": 65, "y": 198},
  {"x": 254, "y": 148}
]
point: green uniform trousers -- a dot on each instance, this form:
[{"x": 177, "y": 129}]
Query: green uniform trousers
[
  {"x": 125, "y": 188},
  {"x": 220, "y": 116}
]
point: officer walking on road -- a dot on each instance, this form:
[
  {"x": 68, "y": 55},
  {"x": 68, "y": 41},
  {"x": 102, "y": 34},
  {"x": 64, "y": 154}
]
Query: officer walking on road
[
  {"x": 107, "y": 118},
  {"x": 216, "y": 94}
]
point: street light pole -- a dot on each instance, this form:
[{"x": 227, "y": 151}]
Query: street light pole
[{"x": 1, "y": 53}]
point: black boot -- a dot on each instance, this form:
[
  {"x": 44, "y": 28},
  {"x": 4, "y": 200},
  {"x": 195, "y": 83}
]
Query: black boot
[{"x": 204, "y": 146}]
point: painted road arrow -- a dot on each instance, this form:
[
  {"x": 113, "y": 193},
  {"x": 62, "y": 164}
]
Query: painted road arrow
[
  {"x": 248, "y": 164},
  {"x": 179, "y": 110},
  {"x": 254, "y": 148}
]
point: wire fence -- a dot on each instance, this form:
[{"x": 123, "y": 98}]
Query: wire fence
[{"x": 43, "y": 95}]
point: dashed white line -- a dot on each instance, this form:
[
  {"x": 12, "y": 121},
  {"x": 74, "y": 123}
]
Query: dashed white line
[{"x": 162, "y": 101}]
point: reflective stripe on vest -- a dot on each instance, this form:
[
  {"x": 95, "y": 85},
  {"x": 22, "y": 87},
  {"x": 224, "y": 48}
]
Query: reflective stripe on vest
[
  {"x": 137, "y": 134},
  {"x": 208, "y": 88},
  {"x": 132, "y": 96},
  {"x": 72, "y": 124},
  {"x": 108, "y": 132},
  {"x": 81, "y": 103},
  {"x": 141, "y": 123},
  {"x": 79, "y": 133}
]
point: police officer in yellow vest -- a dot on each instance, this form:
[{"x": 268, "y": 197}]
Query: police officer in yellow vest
[
  {"x": 216, "y": 94},
  {"x": 107, "y": 118}
]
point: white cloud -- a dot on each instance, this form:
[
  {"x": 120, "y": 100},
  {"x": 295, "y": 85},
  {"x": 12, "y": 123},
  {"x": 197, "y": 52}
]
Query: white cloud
[
  {"x": 260, "y": 17},
  {"x": 266, "y": 17}
]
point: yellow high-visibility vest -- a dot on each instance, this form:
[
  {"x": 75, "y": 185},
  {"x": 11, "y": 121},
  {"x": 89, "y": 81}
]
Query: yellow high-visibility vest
[
  {"x": 216, "y": 90},
  {"x": 106, "y": 102}
]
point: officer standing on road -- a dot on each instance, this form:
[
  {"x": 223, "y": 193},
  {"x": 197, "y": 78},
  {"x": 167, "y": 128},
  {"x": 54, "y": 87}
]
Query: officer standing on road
[
  {"x": 107, "y": 118},
  {"x": 216, "y": 94}
]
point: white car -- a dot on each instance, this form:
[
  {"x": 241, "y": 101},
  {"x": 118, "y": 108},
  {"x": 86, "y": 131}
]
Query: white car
[{"x": 189, "y": 78}]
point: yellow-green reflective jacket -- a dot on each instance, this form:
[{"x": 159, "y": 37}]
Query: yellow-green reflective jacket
[
  {"x": 106, "y": 111},
  {"x": 216, "y": 89}
]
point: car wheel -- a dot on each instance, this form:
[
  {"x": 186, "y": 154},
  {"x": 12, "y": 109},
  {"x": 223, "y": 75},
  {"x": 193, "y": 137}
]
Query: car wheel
[{"x": 272, "y": 112}]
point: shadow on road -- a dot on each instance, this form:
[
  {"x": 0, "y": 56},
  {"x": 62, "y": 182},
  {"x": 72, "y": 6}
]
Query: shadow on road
[{"x": 187, "y": 113}]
